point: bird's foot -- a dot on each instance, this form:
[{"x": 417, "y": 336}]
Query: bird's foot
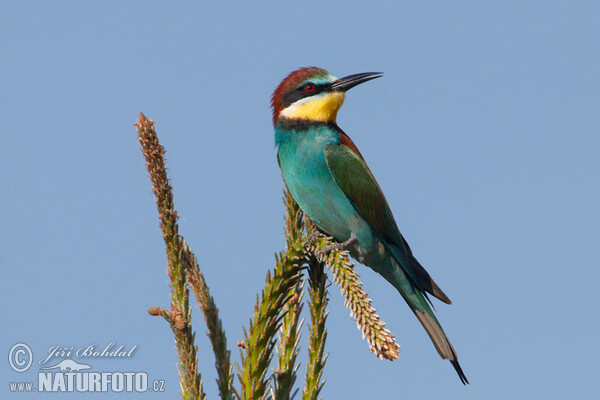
[
  {"x": 312, "y": 238},
  {"x": 337, "y": 246}
]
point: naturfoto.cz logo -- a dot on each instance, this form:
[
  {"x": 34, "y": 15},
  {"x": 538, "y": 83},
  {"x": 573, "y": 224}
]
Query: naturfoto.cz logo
[{"x": 68, "y": 375}]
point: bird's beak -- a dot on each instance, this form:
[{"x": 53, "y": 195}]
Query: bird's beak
[{"x": 348, "y": 82}]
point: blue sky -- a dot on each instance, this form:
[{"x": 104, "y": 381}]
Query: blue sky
[{"x": 483, "y": 133}]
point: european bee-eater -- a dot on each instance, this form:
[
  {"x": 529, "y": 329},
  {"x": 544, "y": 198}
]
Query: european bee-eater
[{"x": 332, "y": 184}]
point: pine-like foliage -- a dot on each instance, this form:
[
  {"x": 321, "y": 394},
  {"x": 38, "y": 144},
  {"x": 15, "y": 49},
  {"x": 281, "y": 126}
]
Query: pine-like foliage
[
  {"x": 380, "y": 339},
  {"x": 275, "y": 326}
]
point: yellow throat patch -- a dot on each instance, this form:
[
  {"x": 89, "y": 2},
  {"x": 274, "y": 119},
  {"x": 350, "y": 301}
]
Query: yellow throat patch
[{"x": 322, "y": 107}]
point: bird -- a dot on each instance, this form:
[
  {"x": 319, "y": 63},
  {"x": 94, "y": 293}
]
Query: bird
[{"x": 331, "y": 182}]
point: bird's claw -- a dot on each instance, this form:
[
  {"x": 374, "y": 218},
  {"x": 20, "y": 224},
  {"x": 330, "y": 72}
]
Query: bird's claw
[
  {"x": 312, "y": 238},
  {"x": 337, "y": 246}
]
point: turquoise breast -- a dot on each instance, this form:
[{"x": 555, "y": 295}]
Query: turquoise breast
[{"x": 305, "y": 171}]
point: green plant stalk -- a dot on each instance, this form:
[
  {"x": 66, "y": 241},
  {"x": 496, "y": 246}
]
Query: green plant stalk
[
  {"x": 260, "y": 338},
  {"x": 289, "y": 333},
  {"x": 288, "y": 347},
  {"x": 216, "y": 333},
  {"x": 277, "y": 310},
  {"x": 179, "y": 317},
  {"x": 381, "y": 341},
  {"x": 317, "y": 331}
]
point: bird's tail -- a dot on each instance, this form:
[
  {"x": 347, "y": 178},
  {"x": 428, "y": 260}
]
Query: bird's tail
[
  {"x": 419, "y": 305},
  {"x": 437, "y": 335}
]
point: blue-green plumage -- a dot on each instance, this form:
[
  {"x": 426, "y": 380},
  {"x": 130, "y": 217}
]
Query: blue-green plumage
[
  {"x": 304, "y": 149},
  {"x": 302, "y": 161},
  {"x": 334, "y": 187}
]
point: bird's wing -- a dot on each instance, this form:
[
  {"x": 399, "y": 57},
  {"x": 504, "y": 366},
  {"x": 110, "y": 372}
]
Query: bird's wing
[{"x": 354, "y": 178}]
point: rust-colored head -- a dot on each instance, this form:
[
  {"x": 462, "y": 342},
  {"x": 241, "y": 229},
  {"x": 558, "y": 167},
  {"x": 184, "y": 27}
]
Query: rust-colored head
[
  {"x": 284, "y": 93},
  {"x": 314, "y": 94}
]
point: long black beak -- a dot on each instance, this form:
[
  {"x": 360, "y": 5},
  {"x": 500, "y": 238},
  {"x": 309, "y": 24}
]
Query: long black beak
[{"x": 348, "y": 82}]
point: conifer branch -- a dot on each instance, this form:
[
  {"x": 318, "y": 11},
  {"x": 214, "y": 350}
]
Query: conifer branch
[{"x": 179, "y": 317}]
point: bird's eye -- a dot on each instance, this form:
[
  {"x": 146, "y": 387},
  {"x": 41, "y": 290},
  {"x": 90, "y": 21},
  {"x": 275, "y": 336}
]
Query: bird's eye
[{"x": 309, "y": 87}]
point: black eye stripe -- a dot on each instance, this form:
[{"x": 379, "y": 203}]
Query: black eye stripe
[{"x": 298, "y": 93}]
